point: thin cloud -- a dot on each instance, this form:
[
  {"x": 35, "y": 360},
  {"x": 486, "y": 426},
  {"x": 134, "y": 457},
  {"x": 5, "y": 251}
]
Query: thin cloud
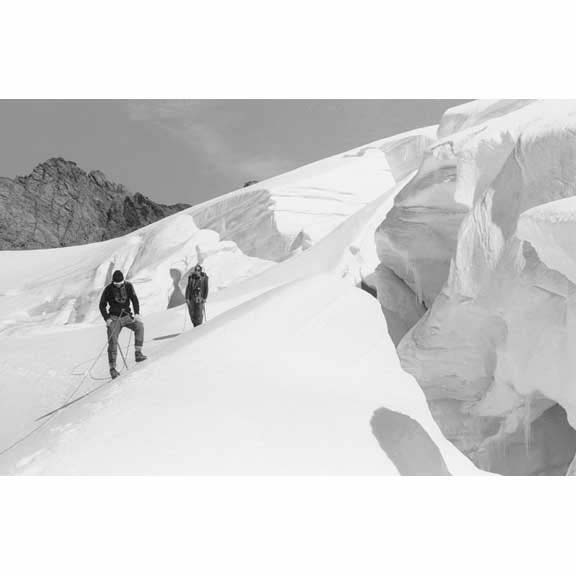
[
  {"x": 199, "y": 125},
  {"x": 260, "y": 168}
]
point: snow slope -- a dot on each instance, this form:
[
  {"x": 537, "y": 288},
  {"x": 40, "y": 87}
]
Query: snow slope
[
  {"x": 258, "y": 390},
  {"x": 294, "y": 372},
  {"x": 483, "y": 238},
  {"x": 235, "y": 237}
]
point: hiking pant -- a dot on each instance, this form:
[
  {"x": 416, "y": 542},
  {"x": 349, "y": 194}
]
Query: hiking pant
[
  {"x": 196, "y": 310},
  {"x": 125, "y": 321}
]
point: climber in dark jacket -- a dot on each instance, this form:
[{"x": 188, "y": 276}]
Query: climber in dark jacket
[
  {"x": 196, "y": 294},
  {"x": 115, "y": 309}
]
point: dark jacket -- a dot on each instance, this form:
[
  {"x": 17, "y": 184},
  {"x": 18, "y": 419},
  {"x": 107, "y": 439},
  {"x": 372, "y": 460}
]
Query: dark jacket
[
  {"x": 118, "y": 300},
  {"x": 197, "y": 286}
]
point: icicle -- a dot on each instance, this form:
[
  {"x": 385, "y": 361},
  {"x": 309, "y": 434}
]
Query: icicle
[
  {"x": 527, "y": 424},
  {"x": 413, "y": 272}
]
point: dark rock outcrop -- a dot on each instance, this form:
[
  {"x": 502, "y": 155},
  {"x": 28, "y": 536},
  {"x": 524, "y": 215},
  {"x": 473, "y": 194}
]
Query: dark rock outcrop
[{"x": 59, "y": 204}]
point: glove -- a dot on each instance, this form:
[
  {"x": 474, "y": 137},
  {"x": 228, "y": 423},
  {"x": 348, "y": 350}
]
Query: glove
[{"x": 109, "y": 322}]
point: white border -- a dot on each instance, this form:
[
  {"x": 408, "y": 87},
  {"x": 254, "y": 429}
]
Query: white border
[
  {"x": 273, "y": 526},
  {"x": 277, "y": 526},
  {"x": 296, "y": 49}
]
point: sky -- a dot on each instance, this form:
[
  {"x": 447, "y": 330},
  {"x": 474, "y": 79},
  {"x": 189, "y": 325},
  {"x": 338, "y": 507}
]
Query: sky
[{"x": 193, "y": 150}]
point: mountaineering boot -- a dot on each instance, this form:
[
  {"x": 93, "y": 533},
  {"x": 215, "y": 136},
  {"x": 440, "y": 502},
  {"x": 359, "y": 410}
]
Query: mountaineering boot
[
  {"x": 114, "y": 373},
  {"x": 139, "y": 357}
]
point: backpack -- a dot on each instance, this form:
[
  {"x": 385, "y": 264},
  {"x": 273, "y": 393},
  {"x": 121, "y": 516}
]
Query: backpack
[{"x": 195, "y": 282}]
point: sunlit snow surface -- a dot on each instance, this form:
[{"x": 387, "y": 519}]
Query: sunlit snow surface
[
  {"x": 464, "y": 232},
  {"x": 294, "y": 372}
]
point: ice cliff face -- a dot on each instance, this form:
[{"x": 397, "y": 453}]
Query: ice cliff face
[
  {"x": 279, "y": 217},
  {"x": 479, "y": 247}
]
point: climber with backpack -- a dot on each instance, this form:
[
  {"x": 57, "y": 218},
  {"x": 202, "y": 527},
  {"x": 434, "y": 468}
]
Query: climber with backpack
[
  {"x": 196, "y": 295},
  {"x": 115, "y": 309}
]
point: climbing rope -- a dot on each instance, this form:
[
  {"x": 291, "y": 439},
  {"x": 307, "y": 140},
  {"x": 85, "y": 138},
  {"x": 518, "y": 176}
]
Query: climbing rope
[
  {"x": 101, "y": 378},
  {"x": 48, "y": 417}
]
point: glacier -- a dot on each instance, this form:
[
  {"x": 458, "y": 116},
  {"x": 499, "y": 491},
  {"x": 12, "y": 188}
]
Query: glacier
[
  {"x": 404, "y": 307},
  {"x": 284, "y": 378},
  {"x": 480, "y": 239}
]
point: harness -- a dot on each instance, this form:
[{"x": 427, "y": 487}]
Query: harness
[{"x": 120, "y": 295}]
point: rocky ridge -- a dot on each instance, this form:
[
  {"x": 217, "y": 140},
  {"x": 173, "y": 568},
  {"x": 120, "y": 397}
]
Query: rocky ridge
[{"x": 59, "y": 204}]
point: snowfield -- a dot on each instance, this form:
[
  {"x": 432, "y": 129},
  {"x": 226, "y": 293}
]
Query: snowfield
[
  {"x": 406, "y": 307},
  {"x": 293, "y": 374},
  {"x": 258, "y": 390}
]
